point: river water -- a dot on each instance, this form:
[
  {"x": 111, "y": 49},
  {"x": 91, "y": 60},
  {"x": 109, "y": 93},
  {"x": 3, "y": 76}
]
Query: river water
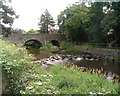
[{"x": 110, "y": 67}]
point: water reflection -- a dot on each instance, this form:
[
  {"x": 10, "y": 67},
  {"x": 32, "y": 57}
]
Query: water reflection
[
  {"x": 37, "y": 53},
  {"x": 109, "y": 67}
]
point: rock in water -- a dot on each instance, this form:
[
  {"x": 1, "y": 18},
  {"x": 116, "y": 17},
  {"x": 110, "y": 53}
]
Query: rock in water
[
  {"x": 109, "y": 77},
  {"x": 78, "y": 59}
]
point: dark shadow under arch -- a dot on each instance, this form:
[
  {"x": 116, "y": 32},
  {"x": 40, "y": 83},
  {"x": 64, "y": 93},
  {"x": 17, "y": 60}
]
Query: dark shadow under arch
[
  {"x": 55, "y": 43},
  {"x": 33, "y": 42}
]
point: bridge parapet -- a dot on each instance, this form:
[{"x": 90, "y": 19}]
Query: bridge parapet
[{"x": 20, "y": 39}]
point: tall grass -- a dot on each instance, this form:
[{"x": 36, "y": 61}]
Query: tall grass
[{"x": 70, "y": 81}]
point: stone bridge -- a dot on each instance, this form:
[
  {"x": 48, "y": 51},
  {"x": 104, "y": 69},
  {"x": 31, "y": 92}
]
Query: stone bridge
[{"x": 21, "y": 39}]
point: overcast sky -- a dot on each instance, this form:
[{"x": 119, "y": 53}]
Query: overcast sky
[{"x": 31, "y": 10}]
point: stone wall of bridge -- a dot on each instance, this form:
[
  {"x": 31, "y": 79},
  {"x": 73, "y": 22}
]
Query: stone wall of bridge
[{"x": 20, "y": 39}]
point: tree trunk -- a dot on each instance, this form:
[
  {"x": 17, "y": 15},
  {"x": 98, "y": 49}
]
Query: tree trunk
[
  {"x": 114, "y": 41},
  {"x": 111, "y": 43}
]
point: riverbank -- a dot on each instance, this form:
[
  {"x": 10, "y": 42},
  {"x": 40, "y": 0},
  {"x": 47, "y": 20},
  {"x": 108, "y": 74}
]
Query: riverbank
[{"x": 27, "y": 78}]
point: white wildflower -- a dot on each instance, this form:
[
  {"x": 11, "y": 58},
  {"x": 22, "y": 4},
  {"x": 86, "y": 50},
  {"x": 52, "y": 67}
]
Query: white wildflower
[
  {"x": 43, "y": 75},
  {"x": 38, "y": 83},
  {"x": 100, "y": 93},
  {"x": 29, "y": 87},
  {"x": 50, "y": 75},
  {"x": 15, "y": 60},
  {"x": 47, "y": 79}
]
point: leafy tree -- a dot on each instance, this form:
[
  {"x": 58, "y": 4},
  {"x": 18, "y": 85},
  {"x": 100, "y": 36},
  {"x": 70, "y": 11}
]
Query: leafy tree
[
  {"x": 73, "y": 22},
  {"x": 30, "y": 32},
  {"x": 7, "y": 17},
  {"x": 111, "y": 23},
  {"x": 95, "y": 33},
  {"x": 45, "y": 20},
  {"x": 61, "y": 22}
]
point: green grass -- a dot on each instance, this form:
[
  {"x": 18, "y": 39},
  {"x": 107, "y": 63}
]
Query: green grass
[
  {"x": 86, "y": 46},
  {"x": 96, "y": 46},
  {"x": 71, "y": 81},
  {"x": 63, "y": 80}
]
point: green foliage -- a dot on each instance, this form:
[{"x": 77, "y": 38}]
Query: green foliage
[
  {"x": 111, "y": 21},
  {"x": 64, "y": 46},
  {"x": 8, "y": 16},
  {"x": 94, "y": 29},
  {"x": 87, "y": 46},
  {"x": 107, "y": 59},
  {"x": 31, "y": 42},
  {"x": 30, "y": 32},
  {"x": 49, "y": 48},
  {"x": 54, "y": 49},
  {"x": 45, "y": 20},
  {"x": 49, "y": 45},
  {"x": 117, "y": 59},
  {"x": 14, "y": 62},
  {"x": 73, "y": 22},
  {"x": 28, "y": 78},
  {"x": 71, "y": 81},
  {"x": 43, "y": 48},
  {"x": 91, "y": 24},
  {"x": 36, "y": 81}
]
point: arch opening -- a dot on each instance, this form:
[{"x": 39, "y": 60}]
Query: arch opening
[
  {"x": 55, "y": 43},
  {"x": 32, "y": 44}
]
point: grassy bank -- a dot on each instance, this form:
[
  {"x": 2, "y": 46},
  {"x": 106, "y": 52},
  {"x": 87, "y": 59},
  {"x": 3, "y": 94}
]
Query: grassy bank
[
  {"x": 26, "y": 78},
  {"x": 63, "y": 80}
]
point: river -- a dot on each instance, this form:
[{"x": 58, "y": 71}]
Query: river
[{"x": 111, "y": 68}]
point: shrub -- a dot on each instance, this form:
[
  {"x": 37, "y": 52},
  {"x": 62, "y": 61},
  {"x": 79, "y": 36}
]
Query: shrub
[
  {"x": 43, "y": 48},
  {"x": 49, "y": 45},
  {"x": 54, "y": 49},
  {"x": 117, "y": 59},
  {"x": 14, "y": 62},
  {"x": 64, "y": 46},
  {"x": 49, "y": 48}
]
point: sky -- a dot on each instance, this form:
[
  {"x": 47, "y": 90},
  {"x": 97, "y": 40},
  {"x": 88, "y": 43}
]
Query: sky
[{"x": 31, "y": 10}]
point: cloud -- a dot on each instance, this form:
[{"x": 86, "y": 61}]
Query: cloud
[{"x": 31, "y": 10}]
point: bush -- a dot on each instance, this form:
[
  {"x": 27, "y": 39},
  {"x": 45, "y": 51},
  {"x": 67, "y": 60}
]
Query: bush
[
  {"x": 49, "y": 45},
  {"x": 43, "y": 48},
  {"x": 14, "y": 62},
  {"x": 64, "y": 46},
  {"x": 49, "y": 48},
  {"x": 117, "y": 59},
  {"x": 54, "y": 49}
]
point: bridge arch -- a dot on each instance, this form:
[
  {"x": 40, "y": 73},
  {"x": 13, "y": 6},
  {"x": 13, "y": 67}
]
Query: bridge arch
[
  {"x": 32, "y": 42},
  {"x": 55, "y": 42}
]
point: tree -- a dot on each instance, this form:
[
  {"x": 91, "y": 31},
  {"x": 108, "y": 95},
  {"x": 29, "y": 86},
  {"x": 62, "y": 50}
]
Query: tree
[
  {"x": 73, "y": 22},
  {"x": 45, "y": 20},
  {"x": 95, "y": 33},
  {"x": 111, "y": 23},
  {"x": 7, "y": 17}
]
